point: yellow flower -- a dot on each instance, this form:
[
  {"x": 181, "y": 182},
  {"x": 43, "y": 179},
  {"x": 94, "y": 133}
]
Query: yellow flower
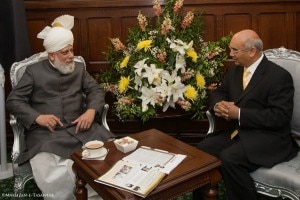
[
  {"x": 123, "y": 84},
  {"x": 160, "y": 66},
  {"x": 192, "y": 54},
  {"x": 124, "y": 62},
  {"x": 200, "y": 80},
  {"x": 191, "y": 93},
  {"x": 145, "y": 44}
]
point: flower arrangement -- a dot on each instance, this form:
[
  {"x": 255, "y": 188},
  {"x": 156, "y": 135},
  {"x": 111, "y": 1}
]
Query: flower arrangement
[{"x": 164, "y": 64}]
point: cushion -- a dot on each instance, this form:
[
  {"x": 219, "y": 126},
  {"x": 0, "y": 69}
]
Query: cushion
[
  {"x": 276, "y": 182},
  {"x": 292, "y": 65}
]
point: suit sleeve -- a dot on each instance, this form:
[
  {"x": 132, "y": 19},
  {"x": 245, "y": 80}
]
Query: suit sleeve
[
  {"x": 18, "y": 101},
  {"x": 220, "y": 94},
  {"x": 95, "y": 96}
]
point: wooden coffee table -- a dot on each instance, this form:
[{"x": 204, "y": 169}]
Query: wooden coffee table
[{"x": 198, "y": 169}]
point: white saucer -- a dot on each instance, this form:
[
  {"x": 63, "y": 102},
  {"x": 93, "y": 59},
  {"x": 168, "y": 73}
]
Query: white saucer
[{"x": 99, "y": 154}]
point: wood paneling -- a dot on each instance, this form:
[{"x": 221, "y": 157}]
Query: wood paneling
[{"x": 277, "y": 22}]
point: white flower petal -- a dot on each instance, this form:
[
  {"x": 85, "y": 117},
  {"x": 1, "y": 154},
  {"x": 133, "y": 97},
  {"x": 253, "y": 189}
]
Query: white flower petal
[
  {"x": 180, "y": 63},
  {"x": 167, "y": 105},
  {"x": 140, "y": 65},
  {"x": 152, "y": 73}
]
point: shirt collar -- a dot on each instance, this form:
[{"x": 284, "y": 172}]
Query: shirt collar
[{"x": 253, "y": 67}]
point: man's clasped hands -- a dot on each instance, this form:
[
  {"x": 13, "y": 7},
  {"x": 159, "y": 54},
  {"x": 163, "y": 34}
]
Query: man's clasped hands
[{"x": 227, "y": 110}]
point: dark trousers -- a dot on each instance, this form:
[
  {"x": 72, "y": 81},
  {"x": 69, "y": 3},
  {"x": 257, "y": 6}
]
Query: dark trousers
[{"x": 235, "y": 166}]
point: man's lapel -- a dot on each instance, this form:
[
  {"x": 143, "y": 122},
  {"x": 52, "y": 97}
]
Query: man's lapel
[{"x": 255, "y": 79}]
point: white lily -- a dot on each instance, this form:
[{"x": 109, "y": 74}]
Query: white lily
[
  {"x": 165, "y": 75},
  {"x": 140, "y": 65},
  {"x": 165, "y": 91},
  {"x": 138, "y": 82},
  {"x": 166, "y": 86},
  {"x": 178, "y": 89},
  {"x": 190, "y": 45},
  {"x": 144, "y": 108},
  {"x": 153, "y": 74},
  {"x": 148, "y": 96},
  {"x": 175, "y": 89},
  {"x": 167, "y": 105},
  {"x": 179, "y": 46},
  {"x": 169, "y": 101},
  {"x": 175, "y": 47},
  {"x": 172, "y": 91},
  {"x": 180, "y": 63}
]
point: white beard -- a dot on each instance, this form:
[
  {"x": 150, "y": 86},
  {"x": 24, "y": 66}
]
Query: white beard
[{"x": 64, "y": 68}]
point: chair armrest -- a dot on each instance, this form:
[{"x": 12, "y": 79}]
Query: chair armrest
[
  {"x": 104, "y": 116},
  {"x": 18, "y": 130},
  {"x": 211, "y": 121}
]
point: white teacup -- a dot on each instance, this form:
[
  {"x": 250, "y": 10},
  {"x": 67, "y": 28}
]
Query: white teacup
[{"x": 93, "y": 148}]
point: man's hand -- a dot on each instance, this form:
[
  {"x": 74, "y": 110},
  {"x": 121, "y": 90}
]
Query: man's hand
[
  {"x": 227, "y": 110},
  {"x": 84, "y": 121},
  {"x": 49, "y": 121}
]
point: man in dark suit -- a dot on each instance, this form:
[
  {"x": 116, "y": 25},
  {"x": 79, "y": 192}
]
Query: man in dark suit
[
  {"x": 256, "y": 97},
  {"x": 48, "y": 101}
]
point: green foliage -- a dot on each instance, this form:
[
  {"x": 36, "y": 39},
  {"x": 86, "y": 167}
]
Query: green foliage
[{"x": 164, "y": 63}]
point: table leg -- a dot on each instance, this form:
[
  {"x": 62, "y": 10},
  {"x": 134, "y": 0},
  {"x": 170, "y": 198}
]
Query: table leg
[
  {"x": 81, "y": 191},
  {"x": 210, "y": 193}
]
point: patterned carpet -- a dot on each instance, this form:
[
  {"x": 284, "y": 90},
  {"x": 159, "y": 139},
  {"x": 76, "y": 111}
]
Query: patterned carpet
[{"x": 32, "y": 192}]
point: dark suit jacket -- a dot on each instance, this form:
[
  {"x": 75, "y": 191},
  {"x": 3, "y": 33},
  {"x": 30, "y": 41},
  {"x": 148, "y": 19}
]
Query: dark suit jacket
[
  {"x": 44, "y": 90},
  {"x": 266, "y": 107}
]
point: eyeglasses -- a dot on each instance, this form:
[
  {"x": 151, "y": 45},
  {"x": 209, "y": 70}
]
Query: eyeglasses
[{"x": 236, "y": 51}]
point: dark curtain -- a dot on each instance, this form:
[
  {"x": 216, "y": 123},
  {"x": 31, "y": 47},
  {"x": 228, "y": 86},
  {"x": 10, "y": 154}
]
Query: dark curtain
[{"x": 14, "y": 40}]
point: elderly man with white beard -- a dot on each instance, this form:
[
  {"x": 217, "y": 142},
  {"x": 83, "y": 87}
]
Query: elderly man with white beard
[{"x": 48, "y": 100}]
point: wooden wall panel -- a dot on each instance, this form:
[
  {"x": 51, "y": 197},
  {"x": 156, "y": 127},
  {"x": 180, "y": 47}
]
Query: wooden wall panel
[
  {"x": 77, "y": 35},
  {"x": 34, "y": 27},
  {"x": 209, "y": 30},
  {"x": 273, "y": 34},
  {"x": 126, "y": 23},
  {"x": 277, "y": 21},
  {"x": 235, "y": 22},
  {"x": 98, "y": 31},
  {"x": 220, "y": 18}
]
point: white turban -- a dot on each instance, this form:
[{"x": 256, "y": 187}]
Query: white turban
[{"x": 59, "y": 35}]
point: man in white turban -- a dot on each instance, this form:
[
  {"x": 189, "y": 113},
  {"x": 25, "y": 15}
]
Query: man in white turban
[
  {"x": 59, "y": 35},
  {"x": 48, "y": 101}
]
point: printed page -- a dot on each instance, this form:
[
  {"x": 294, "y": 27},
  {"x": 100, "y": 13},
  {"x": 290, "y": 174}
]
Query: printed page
[
  {"x": 136, "y": 178},
  {"x": 164, "y": 161}
]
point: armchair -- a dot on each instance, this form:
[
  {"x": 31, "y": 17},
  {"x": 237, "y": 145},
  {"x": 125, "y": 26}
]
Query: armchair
[
  {"x": 283, "y": 179},
  {"x": 23, "y": 173}
]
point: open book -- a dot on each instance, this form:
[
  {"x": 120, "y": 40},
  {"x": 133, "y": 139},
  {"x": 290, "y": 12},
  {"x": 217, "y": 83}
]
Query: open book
[{"x": 141, "y": 171}]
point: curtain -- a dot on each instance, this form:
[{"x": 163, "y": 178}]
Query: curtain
[{"x": 14, "y": 40}]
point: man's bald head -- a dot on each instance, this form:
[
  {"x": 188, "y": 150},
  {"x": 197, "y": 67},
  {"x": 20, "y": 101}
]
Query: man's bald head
[{"x": 249, "y": 38}]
